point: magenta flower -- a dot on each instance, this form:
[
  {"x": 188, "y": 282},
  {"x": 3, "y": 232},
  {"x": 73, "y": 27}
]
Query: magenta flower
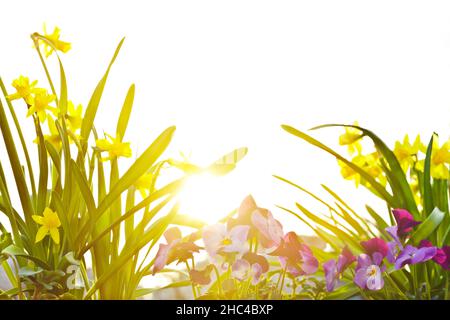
[
  {"x": 270, "y": 229},
  {"x": 375, "y": 245},
  {"x": 442, "y": 256},
  {"x": 369, "y": 271},
  {"x": 219, "y": 240},
  {"x": 333, "y": 270},
  {"x": 176, "y": 248},
  {"x": 405, "y": 222},
  {"x": 413, "y": 255},
  {"x": 296, "y": 257}
]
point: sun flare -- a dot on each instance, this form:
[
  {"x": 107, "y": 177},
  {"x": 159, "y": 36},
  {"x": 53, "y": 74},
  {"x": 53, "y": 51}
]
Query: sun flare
[{"x": 204, "y": 196}]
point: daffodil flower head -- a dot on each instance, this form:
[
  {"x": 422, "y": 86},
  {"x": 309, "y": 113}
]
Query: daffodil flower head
[
  {"x": 24, "y": 89},
  {"x": 53, "y": 38},
  {"x": 54, "y": 137},
  {"x": 369, "y": 163},
  {"x": 50, "y": 223},
  {"x": 74, "y": 116},
  {"x": 144, "y": 184},
  {"x": 351, "y": 139},
  {"x": 440, "y": 158},
  {"x": 40, "y": 104},
  {"x": 114, "y": 146},
  {"x": 406, "y": 152}
]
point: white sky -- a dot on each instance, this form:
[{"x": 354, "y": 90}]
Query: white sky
[{"x": 229, "y": 73}]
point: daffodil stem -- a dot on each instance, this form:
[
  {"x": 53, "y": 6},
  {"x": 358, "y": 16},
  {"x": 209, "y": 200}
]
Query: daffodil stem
[{"x": 47, "y": 73}]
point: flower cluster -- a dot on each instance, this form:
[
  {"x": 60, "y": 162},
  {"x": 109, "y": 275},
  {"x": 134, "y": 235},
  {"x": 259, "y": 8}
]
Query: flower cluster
[
  {"x": 378, "y": 254},
  {"x": 250, "y": 249},
  {"x": 241, "y": 251}
]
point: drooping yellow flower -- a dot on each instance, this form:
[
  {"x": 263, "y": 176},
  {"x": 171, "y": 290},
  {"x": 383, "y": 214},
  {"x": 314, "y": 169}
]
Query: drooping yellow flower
[
  {"x": 57, "y": 43},
  {"x": 50, "y": 223},
  {"x": 369, "y": 163},
  {"x": 114, "y": 146},
  {"x": 24, "y": 89},
  {"x": 407, "y": 153},
  {"x": 144, "y": 184},
  {"x": 74, "y": 116},
  {"x": 54, "y": 138},
  {"x": 440, "y": 158},
  {"x": 351, "y": 139},
  {"x": 40, "y": 104}
]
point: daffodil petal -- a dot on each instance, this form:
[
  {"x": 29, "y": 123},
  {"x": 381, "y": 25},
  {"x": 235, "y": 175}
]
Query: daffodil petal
[
  {"x": 38, "y": 219},
  {"x": 54, "y": 233},
  {"x": 42, "y": 232}
]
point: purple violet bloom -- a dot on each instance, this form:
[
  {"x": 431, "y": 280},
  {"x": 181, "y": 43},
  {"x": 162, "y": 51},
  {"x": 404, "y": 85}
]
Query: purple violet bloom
[
  {"x": 405, "y": 222},
  {"x": 413, "y": 255},
  {"x": 369, "y": 272},
  {"x": 334, "y": 270}
]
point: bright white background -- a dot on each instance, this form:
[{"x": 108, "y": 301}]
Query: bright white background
[{"x": 228, "y": 73}]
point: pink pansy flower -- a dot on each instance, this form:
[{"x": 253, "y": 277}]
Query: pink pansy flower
[
  {"x": 176, "y": 248},
  {"x": 374, "y": 245},
  {"x": 442, "y": 256},
  {"x": 201, "y": 277},
  {"x": 244, "y": 213},
  {"x": 270, "y": 229},
  {"x": 250, "y": 266},
  {"x": 219, "y": 240},
  {"x": 296, "y": 257}
]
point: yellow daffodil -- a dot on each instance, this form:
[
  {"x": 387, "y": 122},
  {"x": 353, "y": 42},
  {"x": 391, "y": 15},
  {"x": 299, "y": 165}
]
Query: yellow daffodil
[
  {"x": 40, "y": 104},
  {"x": 440, "y": 158},
  {"x": 415, "y": 187},
  {"x": 24, "y": 89},
  {"x": 407, "y": 153},
  {"x": 351, "y": 139},
  {"x": 144, "y": 184},
  {"x": 114, "y": 146},
  {"x": 57, "y": 43},
  {"x": 50, "y": 223},
  {"x": 369, "y": 163},
  {"x": 54, "y": 138},
  {"x": 74, "y": 116}
]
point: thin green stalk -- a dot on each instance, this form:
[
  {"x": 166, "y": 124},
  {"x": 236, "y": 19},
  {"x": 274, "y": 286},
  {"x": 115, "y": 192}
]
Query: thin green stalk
[
  {"x": 219, "y": 283},
  {"x": 47, "y": 73}
]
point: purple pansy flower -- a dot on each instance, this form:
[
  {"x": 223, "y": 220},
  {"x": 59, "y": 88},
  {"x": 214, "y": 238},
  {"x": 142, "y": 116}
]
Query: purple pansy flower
[
  {"x": 333, "y": 270},
  {"x": 369, "y": 271},
  {"x": 405, "y": 222},
  {"x": 413, "y": 255}
]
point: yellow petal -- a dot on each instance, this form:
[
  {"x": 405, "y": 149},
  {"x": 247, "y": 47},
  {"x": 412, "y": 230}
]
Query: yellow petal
[
  {"x": 54, "y": 233},
  {"x": 38, "y": 219},
  {"x": 42, "y": 232},
  {"x": 103, "y": 144}
]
